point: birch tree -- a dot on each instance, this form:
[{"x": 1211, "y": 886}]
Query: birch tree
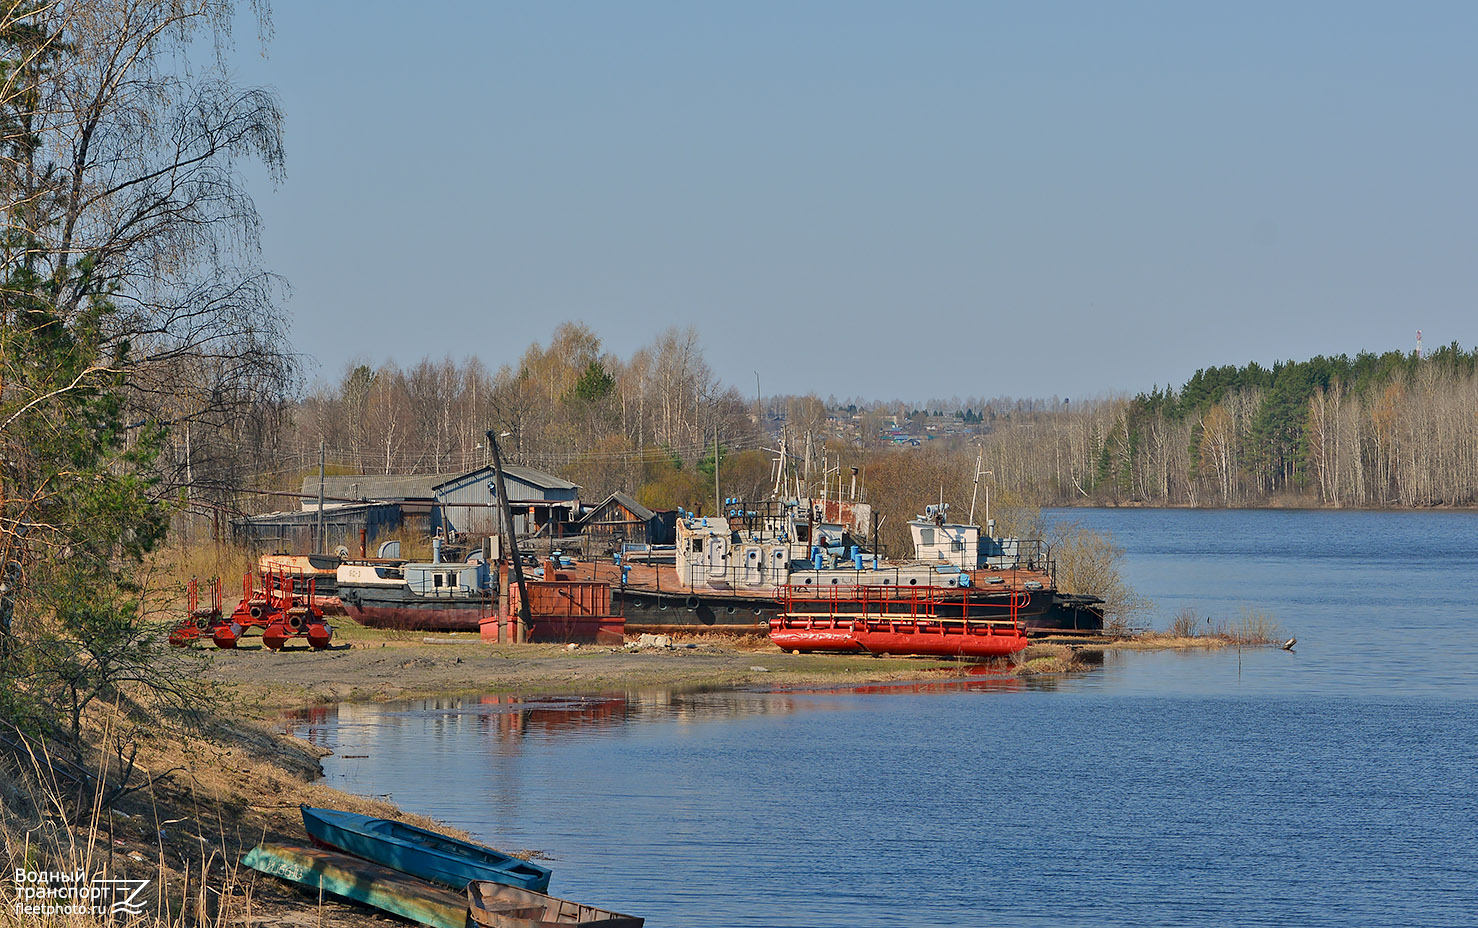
[{"x": 128, "y": 274}]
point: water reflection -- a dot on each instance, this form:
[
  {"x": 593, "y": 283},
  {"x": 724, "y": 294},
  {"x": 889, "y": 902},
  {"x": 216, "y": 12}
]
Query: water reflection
[{"x": 508, "y": 719}]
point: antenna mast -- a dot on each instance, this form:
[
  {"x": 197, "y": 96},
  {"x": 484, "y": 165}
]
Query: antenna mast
[{"x": 979, "y": 459}]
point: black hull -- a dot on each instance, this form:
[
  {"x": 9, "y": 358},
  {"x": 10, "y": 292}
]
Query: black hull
[
  {"x": 1044, "y": 613},
  {"x": 667, "y": 613}
]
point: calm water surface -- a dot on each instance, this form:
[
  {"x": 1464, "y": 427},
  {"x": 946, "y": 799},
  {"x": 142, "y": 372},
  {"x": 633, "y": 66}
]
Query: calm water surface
[{"x": 1337, "y": 785}]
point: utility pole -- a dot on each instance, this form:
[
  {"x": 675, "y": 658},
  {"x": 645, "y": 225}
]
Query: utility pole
[
  {"x": 318, "y": 546},
  {"x": 807, "y": 468},
  {"x": 510, "y": 540}
]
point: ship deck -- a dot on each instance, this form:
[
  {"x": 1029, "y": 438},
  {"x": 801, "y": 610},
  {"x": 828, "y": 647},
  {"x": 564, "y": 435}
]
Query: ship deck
[{"x": 664, "y": 578}]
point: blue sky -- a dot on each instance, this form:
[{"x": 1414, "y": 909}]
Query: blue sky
[{"x": 882, "y": 200}]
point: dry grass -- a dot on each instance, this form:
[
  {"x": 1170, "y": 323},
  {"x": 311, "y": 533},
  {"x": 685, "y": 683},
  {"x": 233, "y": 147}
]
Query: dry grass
[
  {"x": 1185, "y": 624},
  {"x": 1045, "y": 659},
  {"x": 1253, "y": 626},
  {"x": 413, "y": 546},
  {"x": 1188, "y": 629},
  {"x": 174, "y": 564},
  {"x": 211, "y": 795},
  {"x": 755, "y": 642},
  {"x": 191, "y": 883},
  {"x": 1164, "y": 641}
]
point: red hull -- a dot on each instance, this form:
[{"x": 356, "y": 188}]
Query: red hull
[
  {"x": 928, "y": 638},
  {"x": 939, "y": 639},
  {"x": 813, "y": 635},
  {"x": 561, "y": 610},
  {"x": 894, "y": 620},
  {"x": 560, "y": 629},
  {"x": 440, "y": 618}
]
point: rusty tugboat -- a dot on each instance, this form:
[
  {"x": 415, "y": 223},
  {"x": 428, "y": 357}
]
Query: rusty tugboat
[{"x": 741, "y": 572}]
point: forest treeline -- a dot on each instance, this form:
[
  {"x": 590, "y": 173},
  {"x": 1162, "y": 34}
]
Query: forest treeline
[
  {"x": 646, "y": 424},
  {"x": 1386, "y": 429},
  {"x": 1390, "y": 429}
]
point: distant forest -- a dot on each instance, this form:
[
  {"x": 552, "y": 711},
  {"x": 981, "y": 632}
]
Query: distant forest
[{"x": 1374, "y": 430}]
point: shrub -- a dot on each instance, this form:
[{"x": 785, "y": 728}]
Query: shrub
[{"x": 1184, "y": 625}]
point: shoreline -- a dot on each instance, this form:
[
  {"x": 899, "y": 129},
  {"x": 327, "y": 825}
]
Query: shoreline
[
  {"x": 1288, "y": 506},
  {"x": 214, "y": 792},
  {"x": 368, "y": 665},
  {"x": 273, "y": 682}
]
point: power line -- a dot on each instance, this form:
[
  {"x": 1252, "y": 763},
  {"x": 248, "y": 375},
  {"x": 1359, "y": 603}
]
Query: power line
[{"x": 403, "y": 460}]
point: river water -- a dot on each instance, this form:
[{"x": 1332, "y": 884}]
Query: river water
[{"x": 1336, "y": 785}]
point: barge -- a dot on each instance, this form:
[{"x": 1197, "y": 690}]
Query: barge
[{"x": 731, "y": 573}]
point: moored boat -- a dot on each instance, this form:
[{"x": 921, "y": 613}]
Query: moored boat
[
  {"x": 731, "y": 572},
  {"x": 419, "y": 852},
  {"x": 433, "y": 596},
  {"x": 494, "y": 905}
]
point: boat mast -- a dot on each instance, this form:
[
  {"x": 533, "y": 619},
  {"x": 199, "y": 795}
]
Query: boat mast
[{"x": 979, "y": 459}]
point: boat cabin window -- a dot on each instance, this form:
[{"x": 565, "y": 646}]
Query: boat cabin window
[
  {"x": 437, "y": 580},
  {"x": 926, "y": 536},
  {"x": 697, "y": 545},
  {"x": 957, "y": 544}
]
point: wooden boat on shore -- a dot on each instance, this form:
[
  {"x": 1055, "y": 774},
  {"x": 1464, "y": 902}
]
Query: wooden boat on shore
[
  {"x": 419, "y": 852},
  {"x": 494, "y": 905},
  {"x": 372, "y": 884}
]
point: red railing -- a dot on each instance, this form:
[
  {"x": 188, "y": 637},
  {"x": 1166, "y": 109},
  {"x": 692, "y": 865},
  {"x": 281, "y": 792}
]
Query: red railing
[{"x": 963, "y": 608}]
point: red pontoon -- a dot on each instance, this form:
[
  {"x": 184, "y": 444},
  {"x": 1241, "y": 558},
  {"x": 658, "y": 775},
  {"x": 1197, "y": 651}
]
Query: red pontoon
[{"x": 925, "y": 620}]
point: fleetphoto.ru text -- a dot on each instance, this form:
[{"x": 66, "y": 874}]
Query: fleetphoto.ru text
[{"x": 56, "y": 892}]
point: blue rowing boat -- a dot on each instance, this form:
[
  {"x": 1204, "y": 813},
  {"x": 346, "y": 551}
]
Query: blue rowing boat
[{"x": 419, "y": 852}]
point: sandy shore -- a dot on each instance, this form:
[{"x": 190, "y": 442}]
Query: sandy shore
[
  {"x": 381, "y": 667},
  {"x": 373, "y": 665}
]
